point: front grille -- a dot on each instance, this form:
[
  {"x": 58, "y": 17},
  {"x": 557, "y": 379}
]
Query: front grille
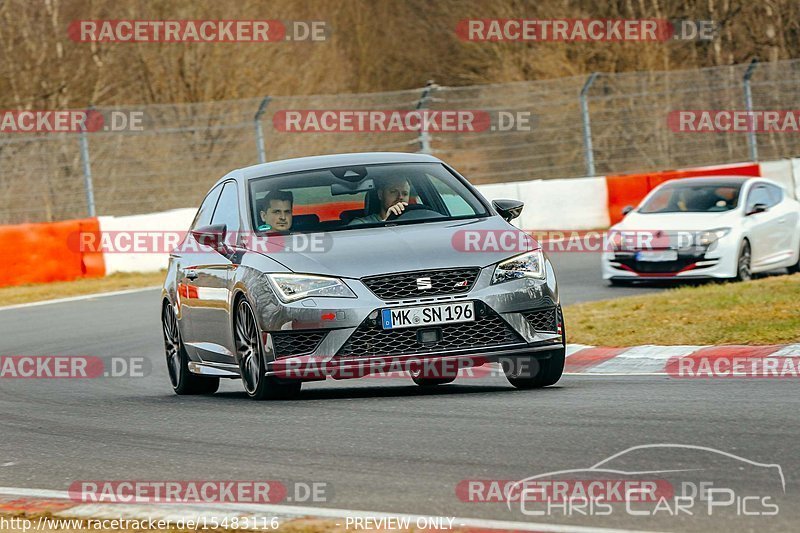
[
  {"x": 488, "y": 330},
  {"x": 296, "y": 342},
  {"x": 544, "y": 320},
  {"x": 405, "y": 284},
  {"x": 658, "y": 267}
]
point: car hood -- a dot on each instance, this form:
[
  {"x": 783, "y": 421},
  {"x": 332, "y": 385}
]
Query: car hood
[
  {"x": 677, "y": 221},
  {"x": 371, "y": 251}
]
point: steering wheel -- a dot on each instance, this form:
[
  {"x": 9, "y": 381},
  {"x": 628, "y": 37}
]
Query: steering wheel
[{"x": 415, "y": 211}]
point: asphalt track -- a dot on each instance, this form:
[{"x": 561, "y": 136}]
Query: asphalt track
[{"x": 382, "y": 445}]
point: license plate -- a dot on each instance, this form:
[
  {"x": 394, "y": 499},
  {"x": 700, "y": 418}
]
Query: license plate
[
  {"x": 657, "y": 255},
  {"x": 427, "y": 315}
]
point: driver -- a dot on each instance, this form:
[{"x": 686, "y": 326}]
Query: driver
[
  {"x": 276, "y": 211},
  {"x": 727, "y": 197},
  {"x": 393, "y": 194}
]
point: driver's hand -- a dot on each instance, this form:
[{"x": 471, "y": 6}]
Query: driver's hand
[{"x": 396, "y": 209}]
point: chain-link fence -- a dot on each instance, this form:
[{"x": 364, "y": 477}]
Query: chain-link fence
[{"x": 604, "y": 124}]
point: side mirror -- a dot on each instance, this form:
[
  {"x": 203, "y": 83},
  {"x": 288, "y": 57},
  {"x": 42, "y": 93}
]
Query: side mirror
[
  {"x": 508, "y": 209},
  {"x": 627, "y": 209},
  {"x": 757, "y": 208},
  {"x": 213, "y": 237}
]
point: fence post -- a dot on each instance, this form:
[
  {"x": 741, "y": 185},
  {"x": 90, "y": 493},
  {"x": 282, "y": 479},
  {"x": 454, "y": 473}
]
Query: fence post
[
  {"x": 424, "y": 138},
  {"x": 748, "y": 105},
  {"x": 262, "y": 154},
  {"x": 87, "y": 165},
  {"x": 587, "y": 128}
]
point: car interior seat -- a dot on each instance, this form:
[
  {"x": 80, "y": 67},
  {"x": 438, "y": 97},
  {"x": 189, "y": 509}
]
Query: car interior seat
[{"x": 305, "y": 222}]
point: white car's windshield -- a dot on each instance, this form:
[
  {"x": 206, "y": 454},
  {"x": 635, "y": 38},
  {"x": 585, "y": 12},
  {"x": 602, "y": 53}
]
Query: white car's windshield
[
  {"x": 701, "y": 198},
  {"x": 360, "y": 196}
]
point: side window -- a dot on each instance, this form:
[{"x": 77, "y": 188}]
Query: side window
[
  {"x": 227, "y": 211},
  {"x": 203, "y": 216},
  {"x": 455, "y": 203},
  {"x": 759, "y": 195},
  {"x": 776, "y": 195}
]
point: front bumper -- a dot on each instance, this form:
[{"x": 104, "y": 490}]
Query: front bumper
[
  {"x": 341, "y": 337},
  {"x": 691, "y": 264}
]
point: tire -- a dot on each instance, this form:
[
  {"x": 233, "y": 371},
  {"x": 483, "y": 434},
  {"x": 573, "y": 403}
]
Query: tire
[
  {"x": 531, "y": 373},
  {"x": 620, "y": 283},
  {"x": 743, "y": 268},
  {"x": 184, "y": 383},
  {"x": 795, "y": 268},
  {"x": 251, "y": 360}
]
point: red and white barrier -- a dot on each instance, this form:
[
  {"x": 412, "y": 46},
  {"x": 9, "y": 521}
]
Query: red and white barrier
[
  {"x": 176, "y": 220},
  {"x": 576, "y": 204}
]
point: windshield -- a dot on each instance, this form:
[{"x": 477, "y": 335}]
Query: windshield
[
  {"x": 355, "y": 197},
  {"x": 701, "y": 198}
]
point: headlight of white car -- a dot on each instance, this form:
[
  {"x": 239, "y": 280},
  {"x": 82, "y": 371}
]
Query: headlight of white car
[
  {"x": 707, "y": 238},
  {"x": 527, "y": 265},
  {"x": 292, "y": 287},
  {"x": 617, "y": 240}
]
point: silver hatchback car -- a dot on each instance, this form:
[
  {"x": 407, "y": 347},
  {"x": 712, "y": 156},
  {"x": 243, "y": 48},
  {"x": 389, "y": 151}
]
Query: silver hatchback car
[{"x": 351, "y": 265}]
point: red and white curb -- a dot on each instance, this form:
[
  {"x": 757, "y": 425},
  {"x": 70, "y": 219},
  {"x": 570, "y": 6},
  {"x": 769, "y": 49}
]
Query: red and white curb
[
  {"x": 58, "y": 504},
  {"x": 684, "y": 361}
]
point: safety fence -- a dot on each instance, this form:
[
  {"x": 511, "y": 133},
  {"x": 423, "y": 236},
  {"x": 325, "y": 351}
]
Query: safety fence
[{"x": 565, "y": 128}]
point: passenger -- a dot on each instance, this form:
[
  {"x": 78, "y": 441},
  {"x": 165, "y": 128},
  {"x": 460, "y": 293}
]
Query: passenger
[
  {"x": 276, "y": 211},
  {"x": 393, "y": 194}
]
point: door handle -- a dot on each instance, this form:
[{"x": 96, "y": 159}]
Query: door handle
[{"x": 191, "y": 274}]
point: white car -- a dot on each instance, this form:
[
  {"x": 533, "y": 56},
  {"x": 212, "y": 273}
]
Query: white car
[{"x": 698, "y": 228}]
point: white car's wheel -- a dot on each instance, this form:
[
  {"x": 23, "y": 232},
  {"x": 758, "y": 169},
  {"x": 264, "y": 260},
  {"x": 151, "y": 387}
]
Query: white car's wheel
[
  {"x": 795, "y": 268},
  {"x": 743, "y": 268}
]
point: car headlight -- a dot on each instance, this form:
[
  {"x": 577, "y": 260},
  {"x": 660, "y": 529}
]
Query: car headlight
[
  {"x": 527, "y": 265},
  {"x": 707, "y": 238},
  {"x": 620, "y": 240},
  {"x": 292, "y": 287}
]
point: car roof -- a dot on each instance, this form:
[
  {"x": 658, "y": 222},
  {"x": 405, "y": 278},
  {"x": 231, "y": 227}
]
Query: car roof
[
  {"x": 300, "y": 164},
  {"x": 719, "y": 181}
]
